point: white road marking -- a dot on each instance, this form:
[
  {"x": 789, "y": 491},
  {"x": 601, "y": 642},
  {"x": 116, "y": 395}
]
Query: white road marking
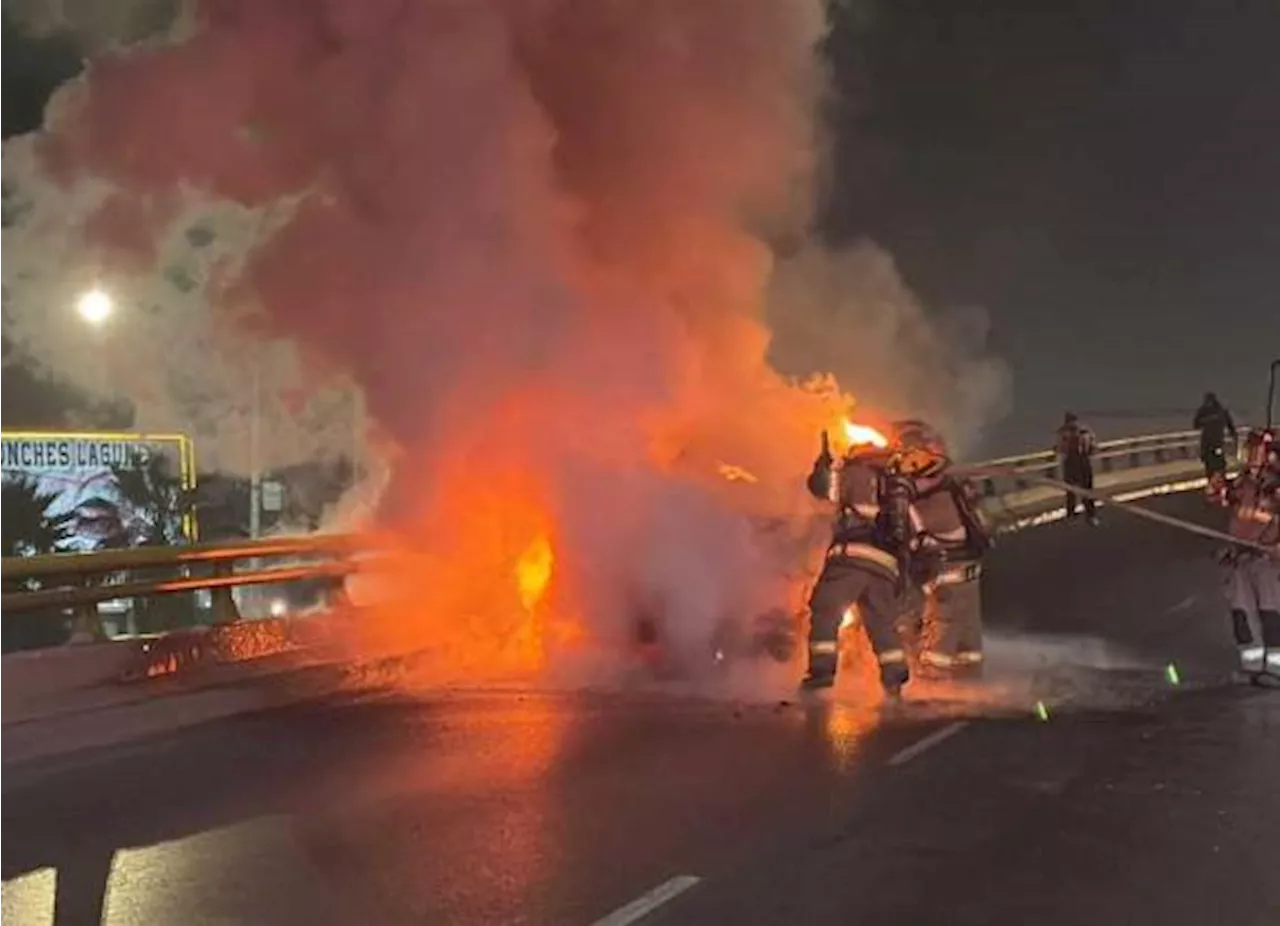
[
  {"x": 1182, "y": 605},
  {"x": 645, "y": 904},
  {"x": 933, "y": 739}
]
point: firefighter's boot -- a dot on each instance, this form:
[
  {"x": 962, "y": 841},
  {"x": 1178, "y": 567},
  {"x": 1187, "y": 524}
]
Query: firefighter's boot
[{"x": 822, "y": 671}]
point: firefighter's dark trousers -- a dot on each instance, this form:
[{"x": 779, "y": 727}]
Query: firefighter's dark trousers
[
  {"x": 952, "y": 632},
  {"x": 1252, "y": 585},
  {"x": 844, "y": 582}
]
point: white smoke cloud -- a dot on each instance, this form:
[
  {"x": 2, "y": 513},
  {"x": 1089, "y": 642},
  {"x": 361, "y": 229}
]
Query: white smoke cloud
[
  {"x": 96, "y": 26},
  {"x": 850, "y": 313},
  {"x": 182, "y": 366}
]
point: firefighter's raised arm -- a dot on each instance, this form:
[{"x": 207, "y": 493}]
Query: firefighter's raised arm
[{"x": 820, "y": 478}]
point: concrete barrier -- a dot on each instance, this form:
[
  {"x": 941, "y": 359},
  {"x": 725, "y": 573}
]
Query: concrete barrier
[
  {"x": 36, "y": 682},
  {"x": 111, "y": 715}
]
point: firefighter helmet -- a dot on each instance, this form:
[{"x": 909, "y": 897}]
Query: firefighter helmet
[{"x": 919, "y": 448}]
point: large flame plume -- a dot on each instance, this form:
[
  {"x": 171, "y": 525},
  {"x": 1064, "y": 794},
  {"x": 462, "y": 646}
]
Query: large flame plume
[{"x": 534, "y": 232}]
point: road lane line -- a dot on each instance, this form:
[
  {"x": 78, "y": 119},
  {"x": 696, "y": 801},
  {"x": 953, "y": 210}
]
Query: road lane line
[
  {"x": 1182, "y": 605},
  {"x": 645, "y": 904},
  {"x": 933, "y": 739}
]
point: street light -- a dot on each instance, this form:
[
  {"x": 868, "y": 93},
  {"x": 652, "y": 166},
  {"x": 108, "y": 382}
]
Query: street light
[{"x": 95, "y": 306}]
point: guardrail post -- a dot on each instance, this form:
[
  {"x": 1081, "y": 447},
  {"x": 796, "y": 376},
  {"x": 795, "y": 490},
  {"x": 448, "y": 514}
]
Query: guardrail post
[
  {"x": 86, "y": 624},
  {"x": 223, "y": 604}
]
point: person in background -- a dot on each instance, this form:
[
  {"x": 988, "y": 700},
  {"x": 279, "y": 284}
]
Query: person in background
[
  {"x": 1214, "y": 423},
  {"x": 1075, "y": 447}
]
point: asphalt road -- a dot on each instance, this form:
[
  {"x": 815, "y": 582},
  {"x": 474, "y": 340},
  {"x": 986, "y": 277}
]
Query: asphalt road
[{"x": 1137, "y": 801}]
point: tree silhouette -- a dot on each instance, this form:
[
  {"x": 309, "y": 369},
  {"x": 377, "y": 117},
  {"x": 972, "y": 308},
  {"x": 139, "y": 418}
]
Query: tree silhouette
[
  {"x": 28, "y": 529},
  {"x": 27, "y": 526},
  {"x": 155, "y": 499}
]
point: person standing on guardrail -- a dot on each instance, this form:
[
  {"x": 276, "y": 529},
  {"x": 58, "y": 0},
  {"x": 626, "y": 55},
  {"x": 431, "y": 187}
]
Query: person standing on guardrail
[
  {"x": 1252, "y": 578},
  {"x": 1075, "y": 446},
  {"x": 1214, "y": 423}
]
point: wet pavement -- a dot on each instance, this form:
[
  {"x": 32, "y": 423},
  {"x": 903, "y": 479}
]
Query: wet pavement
[{"x": 1136, "y": 801}]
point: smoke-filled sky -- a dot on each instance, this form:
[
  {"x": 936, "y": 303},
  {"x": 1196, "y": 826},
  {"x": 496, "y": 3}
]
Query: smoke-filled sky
[
  {"x": 423, "y": 196},
  {"x": 1101, "y": 186}
]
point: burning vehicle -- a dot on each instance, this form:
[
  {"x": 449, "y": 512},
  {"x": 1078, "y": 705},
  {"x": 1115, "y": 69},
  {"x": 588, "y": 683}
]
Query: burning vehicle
[{"x": 793, "y": 544}]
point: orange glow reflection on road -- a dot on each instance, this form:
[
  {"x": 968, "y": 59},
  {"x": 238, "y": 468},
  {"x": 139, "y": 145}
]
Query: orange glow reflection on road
[
  {"x": 847, "y": 723},
  {"x": 518, "y": 748},
  {"x": 505, "y": 744}
]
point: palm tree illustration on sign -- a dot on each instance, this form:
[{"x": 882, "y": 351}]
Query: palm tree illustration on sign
[
  {"x": 153, "y": 500},
  {"x": 151, "y": 504},
  {"x": 29, "y": 529}
]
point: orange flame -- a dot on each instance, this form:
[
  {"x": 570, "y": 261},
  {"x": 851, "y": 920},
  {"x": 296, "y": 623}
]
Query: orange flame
[
  {"x": 734, "y": 473},
  {"x": 858, "y": 434},
  {"x": 533, "y": 572}
]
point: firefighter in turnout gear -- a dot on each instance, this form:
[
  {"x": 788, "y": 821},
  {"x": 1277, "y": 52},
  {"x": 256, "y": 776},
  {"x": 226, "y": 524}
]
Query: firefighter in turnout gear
[
  {"x": 947, "y": 566},
  {"x": 867, "y": 560},
  {"x": 1252, "y": 577}
]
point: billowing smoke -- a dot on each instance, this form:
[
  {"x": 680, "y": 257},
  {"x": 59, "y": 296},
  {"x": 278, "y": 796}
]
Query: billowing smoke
[
  {"x": 94, "y": 27},
  {"x": 526, "y": 230},
  {"x": 183, "y": 367},
  {"x": 850, "y": 313}
]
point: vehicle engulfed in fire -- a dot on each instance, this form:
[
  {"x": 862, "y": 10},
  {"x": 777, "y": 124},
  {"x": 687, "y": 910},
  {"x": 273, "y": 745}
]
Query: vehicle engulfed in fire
[
  {"x": 792, "y": 539},
  {"x": 910, "y": 479}
]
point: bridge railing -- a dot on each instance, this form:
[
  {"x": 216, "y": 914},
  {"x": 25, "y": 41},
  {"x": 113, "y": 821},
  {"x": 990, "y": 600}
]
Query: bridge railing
[
  {"x": 66, "y": 588},
  {"x": 1131, "y": 468}
]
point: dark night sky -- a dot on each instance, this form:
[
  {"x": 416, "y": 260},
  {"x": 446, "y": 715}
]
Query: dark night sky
[{"x": 1104, "y": 179}]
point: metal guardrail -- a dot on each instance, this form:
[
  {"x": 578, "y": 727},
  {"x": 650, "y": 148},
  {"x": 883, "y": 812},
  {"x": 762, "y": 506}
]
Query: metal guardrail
[
  {"x": 1112, "y": 456},
  {"x": 56, "y": 583},
  {"x": 1148, "y": 464}
]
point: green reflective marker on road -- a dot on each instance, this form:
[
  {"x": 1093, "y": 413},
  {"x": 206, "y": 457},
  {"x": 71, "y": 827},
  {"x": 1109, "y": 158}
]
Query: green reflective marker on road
[
  {"x": 1171, "y": 673},
  {"x": 1042, "y": 710}
]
